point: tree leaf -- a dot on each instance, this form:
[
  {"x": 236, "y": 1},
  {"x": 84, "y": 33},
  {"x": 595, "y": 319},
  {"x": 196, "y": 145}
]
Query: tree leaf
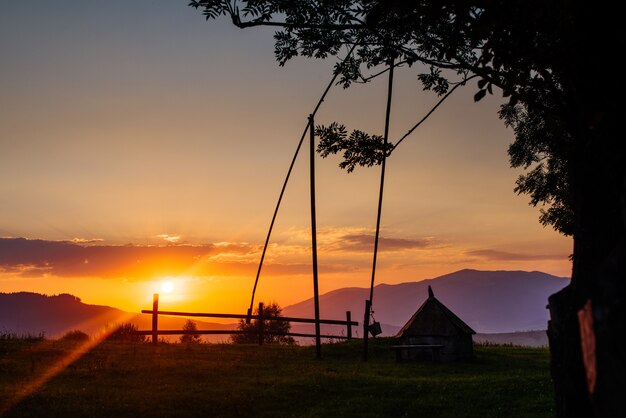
[{"x": 479, "y": 96}]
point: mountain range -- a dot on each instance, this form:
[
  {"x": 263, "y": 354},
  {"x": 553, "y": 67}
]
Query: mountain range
[{"x": 488, "y": 301}]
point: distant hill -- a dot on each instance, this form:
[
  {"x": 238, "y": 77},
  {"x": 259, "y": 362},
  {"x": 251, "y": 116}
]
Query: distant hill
[
  {"x": 523, "y": 339},
  {"x": 488, "y": 301},
  {"x": 26, "y": 313}
]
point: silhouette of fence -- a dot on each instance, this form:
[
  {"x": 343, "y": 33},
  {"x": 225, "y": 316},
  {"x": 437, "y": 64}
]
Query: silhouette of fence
[{"x": 155, "y": 331}]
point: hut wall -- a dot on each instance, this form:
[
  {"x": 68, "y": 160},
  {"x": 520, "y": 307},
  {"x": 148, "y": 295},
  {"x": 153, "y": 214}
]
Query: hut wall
[
  {"x": 454, "y": 347},
  {"x": 464, "y": 346}
]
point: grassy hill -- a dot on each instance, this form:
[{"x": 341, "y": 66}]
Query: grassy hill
[{"x": 116, "y": 379}]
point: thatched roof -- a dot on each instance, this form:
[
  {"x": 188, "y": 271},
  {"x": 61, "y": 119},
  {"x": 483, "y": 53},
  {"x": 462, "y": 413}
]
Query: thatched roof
[{"x": 432, "y": 304}]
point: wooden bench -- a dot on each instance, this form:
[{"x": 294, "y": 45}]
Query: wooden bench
[{"x": 433, "y": 348}]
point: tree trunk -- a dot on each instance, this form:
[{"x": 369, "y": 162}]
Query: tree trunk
[
  {"x": 568, "y": 373},
  {"x": 593, "y": 317},
  {"x": 588, "y": 318},
  {"x": 600, "y": 274}
]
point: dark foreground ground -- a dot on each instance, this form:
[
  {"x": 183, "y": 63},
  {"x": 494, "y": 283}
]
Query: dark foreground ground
[{"x": 115, "y": 379}]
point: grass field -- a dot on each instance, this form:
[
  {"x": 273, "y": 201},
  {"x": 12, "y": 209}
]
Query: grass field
[{"x": 115, "y": 379}]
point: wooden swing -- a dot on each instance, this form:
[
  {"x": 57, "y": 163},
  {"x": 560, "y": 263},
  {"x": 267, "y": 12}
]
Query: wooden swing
[{"x": 370, "y": 325}]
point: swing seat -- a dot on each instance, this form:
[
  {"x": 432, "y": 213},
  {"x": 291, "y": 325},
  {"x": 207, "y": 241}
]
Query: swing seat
[{"x": 375, "y": 329}]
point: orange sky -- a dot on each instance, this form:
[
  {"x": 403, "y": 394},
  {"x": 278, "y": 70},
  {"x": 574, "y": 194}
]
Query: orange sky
[{"x": 126, "y": 127}]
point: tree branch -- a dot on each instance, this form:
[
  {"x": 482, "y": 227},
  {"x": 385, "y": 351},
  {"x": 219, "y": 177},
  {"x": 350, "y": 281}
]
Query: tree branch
[
  {"x": 326, "y": 26},
  {"x": 373, "y": 76}
]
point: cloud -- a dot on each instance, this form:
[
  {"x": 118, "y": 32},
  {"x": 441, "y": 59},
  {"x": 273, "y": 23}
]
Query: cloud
[
  {"x": 169, "y": 238},
  {"x": 495, "y": 255},
  {"x": 365, "y": 243},
  {"x": 41, "y": 258},
  {"x": 237, "y": 248},
  {"x": 230, "y": 268},
  {"x": 85, "y": 240},
  {"x": 31, "y": 258}
]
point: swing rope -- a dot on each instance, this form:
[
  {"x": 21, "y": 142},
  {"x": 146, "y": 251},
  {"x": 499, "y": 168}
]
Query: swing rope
[
  {"x": 293, "y": 162},
  {"x": 382, "y": 178},
  {"x": 432, "y": 110}
]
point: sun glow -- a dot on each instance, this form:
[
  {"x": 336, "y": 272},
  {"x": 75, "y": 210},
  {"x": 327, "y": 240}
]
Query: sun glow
[
  {"x": 174, "y": 291},
  {"x": 167, "y": 287}
]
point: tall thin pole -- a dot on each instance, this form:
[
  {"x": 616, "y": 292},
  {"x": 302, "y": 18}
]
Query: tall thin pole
[
  {"x": 316, "y": 298},
  {"x": 369, "y": 302},
  {"x": 382, "y": 181}
]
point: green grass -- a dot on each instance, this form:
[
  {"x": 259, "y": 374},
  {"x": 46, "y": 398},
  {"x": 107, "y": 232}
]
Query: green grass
[{"x": 122, "y": 379}]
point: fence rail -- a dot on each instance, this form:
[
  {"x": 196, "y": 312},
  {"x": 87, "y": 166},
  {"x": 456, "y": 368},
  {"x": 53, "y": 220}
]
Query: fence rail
[
  {"x": 235, "y": 331},
  {"x": 155, "y": 331},
  {"x": 244, "y": 316}
]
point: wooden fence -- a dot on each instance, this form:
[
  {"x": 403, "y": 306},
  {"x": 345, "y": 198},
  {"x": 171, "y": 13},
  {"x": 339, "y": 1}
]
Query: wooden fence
[{"x": 155, "y": 331}]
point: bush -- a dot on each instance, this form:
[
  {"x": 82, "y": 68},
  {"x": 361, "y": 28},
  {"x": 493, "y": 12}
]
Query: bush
[
  {"x": 128, "y": 333},
  {"x": 75, "y": 336}
]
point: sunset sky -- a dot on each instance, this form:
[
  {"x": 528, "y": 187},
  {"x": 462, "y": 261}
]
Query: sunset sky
[{"x": 140, "y": 144}]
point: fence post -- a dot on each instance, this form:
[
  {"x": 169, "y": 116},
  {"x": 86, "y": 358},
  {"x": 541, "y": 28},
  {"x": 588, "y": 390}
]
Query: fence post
[
  {"x": 155, "y": 318},
  {"x": 349, "y": 321},
  {"x": 366, "y": 323},
  {"x": 261, "y": 324}
]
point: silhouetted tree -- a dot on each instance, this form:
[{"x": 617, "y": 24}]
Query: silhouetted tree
[
  {"x": 190, "y": 338},
  {"x": 273, "y": 330},
  {"x": 554, "y": 63}
]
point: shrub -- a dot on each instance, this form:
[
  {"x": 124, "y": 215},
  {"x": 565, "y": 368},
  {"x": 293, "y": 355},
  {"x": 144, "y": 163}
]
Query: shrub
[
  {"x": 75, "y": 336},
  {"x": 126, "y": 332}
]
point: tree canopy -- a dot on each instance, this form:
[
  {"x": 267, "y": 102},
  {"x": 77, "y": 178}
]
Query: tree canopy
[
  {"x": 524, "y": 48},
  {"x": 191, "y": 327}
]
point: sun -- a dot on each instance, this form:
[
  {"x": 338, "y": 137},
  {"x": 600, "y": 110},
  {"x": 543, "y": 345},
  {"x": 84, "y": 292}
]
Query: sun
[{"x": 167, "y": 287}]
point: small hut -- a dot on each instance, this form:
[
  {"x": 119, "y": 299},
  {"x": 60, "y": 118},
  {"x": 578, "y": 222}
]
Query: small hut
[{"x": 435, "y": 329}]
